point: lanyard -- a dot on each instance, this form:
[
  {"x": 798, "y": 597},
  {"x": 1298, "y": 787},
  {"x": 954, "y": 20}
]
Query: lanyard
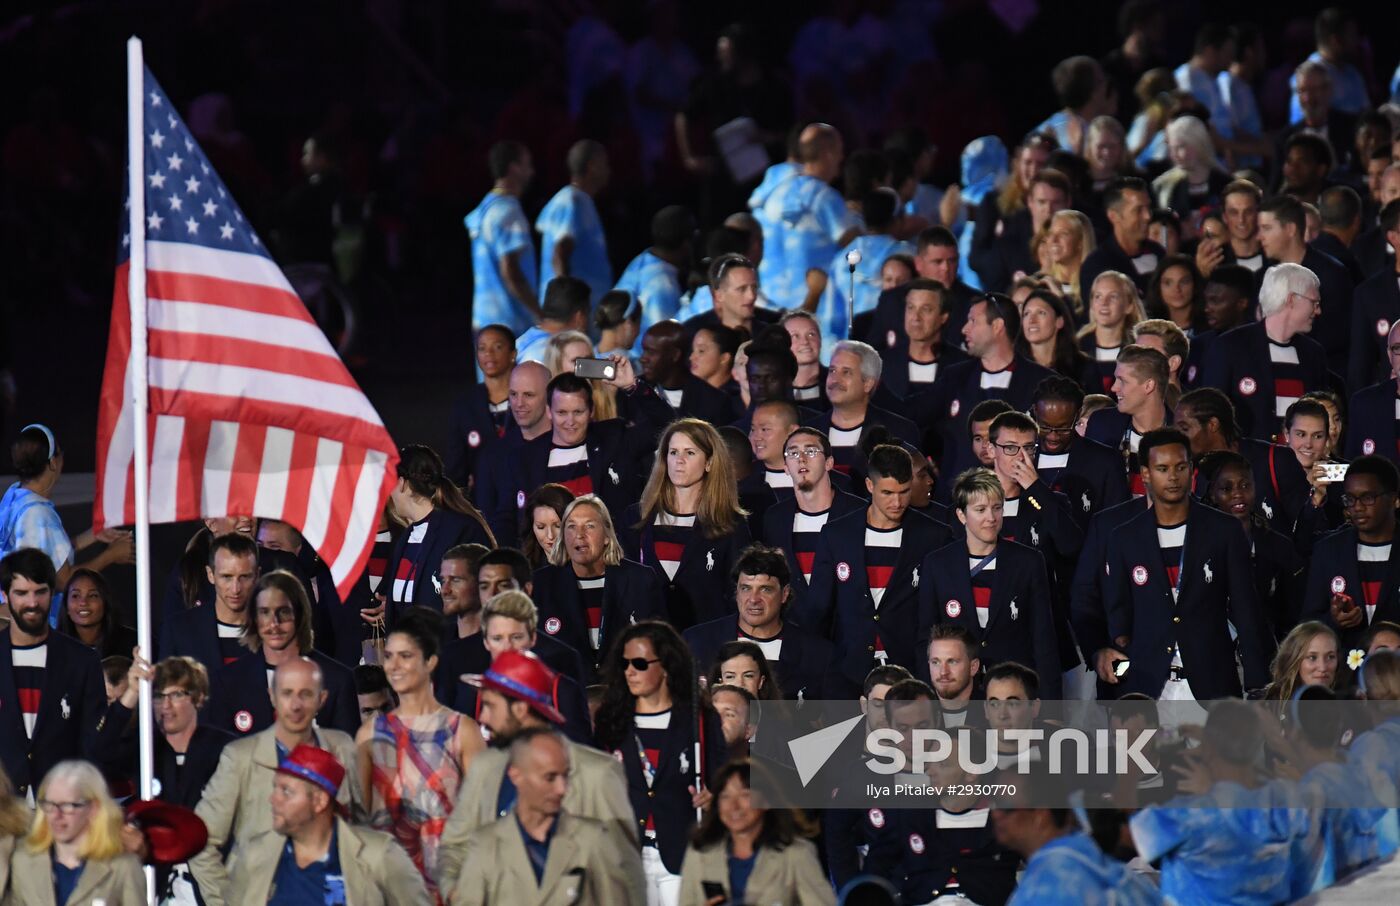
[
  {"x": 982, "y": 564},
  {"x": 1180, "y": 569},
  {"x": 648, "y": 771}
]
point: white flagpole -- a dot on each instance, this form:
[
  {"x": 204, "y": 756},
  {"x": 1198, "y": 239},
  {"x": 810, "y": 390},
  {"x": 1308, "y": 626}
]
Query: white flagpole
[{"x": 136, "y": 298}]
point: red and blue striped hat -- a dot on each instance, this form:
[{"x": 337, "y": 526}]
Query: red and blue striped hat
[
  {"x": 314, "y": 766},
  {"x": 522, "y": 676}
]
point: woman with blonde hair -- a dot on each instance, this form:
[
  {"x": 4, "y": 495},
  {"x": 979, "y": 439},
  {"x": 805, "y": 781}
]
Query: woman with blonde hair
[
  {"x": 1306, "y": 657},
  {"x": 1196, "y": 182},
  {"x": 588, "y": 592},
  {"x": 73, "y": 853},
  {"x": 1069, "y": 239},
  {"x": 1114, "y": 307},
  {"x": 567, "y": 347},
  {"x": 688, "y": 526},
  {"x": 14, "y": 824}
]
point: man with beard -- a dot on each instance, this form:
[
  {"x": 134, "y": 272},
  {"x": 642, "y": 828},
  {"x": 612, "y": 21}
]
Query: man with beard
[
  {"x": 53, "y": 715},
  {"x": 461, "y": 599},
  {"x": 851, "y": 382},
  {"x": 517, "y": 695},
  {"x": 952, "y": 670}
]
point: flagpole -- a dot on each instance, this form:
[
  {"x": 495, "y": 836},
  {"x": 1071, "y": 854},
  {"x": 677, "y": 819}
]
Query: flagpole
[{"x": 136, "y": 298}]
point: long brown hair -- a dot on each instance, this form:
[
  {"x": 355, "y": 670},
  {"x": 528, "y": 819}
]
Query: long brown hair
[
  {"x": 422, "y": 468},
  {"x": 781, "y": 826},
  {"x": 719, "y": 512},
  {"x": 1013, "y": 194}
]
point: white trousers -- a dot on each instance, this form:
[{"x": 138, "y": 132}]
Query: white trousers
[{"x": 663, "y": 888}]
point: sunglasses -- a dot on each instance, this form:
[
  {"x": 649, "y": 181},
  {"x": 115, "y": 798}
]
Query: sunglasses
[{"x": 639, "y": 664}]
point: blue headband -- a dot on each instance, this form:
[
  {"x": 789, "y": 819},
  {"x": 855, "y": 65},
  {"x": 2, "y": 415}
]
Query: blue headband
[{"x": 53, "y": 445}]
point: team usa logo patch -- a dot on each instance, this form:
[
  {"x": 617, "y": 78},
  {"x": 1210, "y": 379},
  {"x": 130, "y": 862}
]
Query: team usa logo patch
[
  {"x": 877, "y": 818},
  {"x": 520, "y": 500},
  {"x": 552, "y": 625},
  {"x": 1139, "y": 575},
  {"x": 954, "y": 409},
  {"x": 890, "y": 339},
  {"x": 473, "y": 439},
  {"x": 1368, "y": 446},
  {"x": 843, "y": 571},
  {"x": 243, "y": 721},
  {"x": 1382, "y": 327},
  {"x": 916, "y": 844},
  {"x": 953, "y": 609},
  {"x": 1339, "y": 585},
  {"x": 1248, "y": 386}
]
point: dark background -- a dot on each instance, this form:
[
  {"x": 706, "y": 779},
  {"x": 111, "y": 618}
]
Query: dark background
[{"x": 413, "y": 93}]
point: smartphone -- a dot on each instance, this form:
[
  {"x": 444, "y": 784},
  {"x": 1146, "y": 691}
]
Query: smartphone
[
  {"x": 595, "y": 369},
  {"x": 1121, "y": 667},
  {"x": 1334, "y": 471},
  {"x": 713, "y": 889}
]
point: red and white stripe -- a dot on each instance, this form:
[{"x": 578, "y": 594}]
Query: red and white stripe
[{"x": 251, "y": 410}]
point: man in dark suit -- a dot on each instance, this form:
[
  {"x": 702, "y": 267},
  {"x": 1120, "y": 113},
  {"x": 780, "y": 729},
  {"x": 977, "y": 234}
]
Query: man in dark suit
[
  {"x": 996, "y": 589},
  {"x": 1373, "y": 252},
  {"x": 1339, "y": 208},
  {"x": 912, "y": 363},
  {"x": 1371, "y": 423},
  {"x": 1178, "y": 577},
  {"x": 50, "y": 685},
  {"x": 1089, "y": 474},
  {"x": 1282, "y": 224},
  {"x": 665, "y": 365},
  {"x": 935, "y": 258},
  {"x": 339, "y": 629},
  {"x": 1127, "y": 249},
  {"x": 1265, "y": 366},
  {"x": 763, "y": 591},
  {"x": 1354, "y": 580},
  {"x": 493, "y": 487},
  {"x": 1375, "y": 309},
  {"x": 794, "y": 525},
  {"x": 1313, "y": 84},
  {"x": 1140, "y": 380},
  {"x": 210, "y": 634},
  {"x": 865, "y": 576},
  {"x": 851, "y": 382}
]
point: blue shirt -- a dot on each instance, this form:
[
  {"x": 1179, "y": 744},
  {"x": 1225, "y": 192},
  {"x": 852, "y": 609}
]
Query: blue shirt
[
  {"x": 1355, "y": 836},
  {"x": 505, "y": 797},
  {"x": 831, "y": 310},
  {"x": 536, "y": 850},
  {"x": 65, "y": 879},
  {"x": 1071, "y": 870},
  {"x": 498, "y": 228},
  {"x": 802, "y": 220},
  {"x": 571, "y": 213},
  {"x": 318, "y": 883},
  {"x": 656, "y": 285},
  {"x": 739, "y": 871},
  {"x": 1207, "y": 91},
  {"x": 1058, "y": 124},
  {"x": 28, "y": 519},
  {"x": 1348, "y": 90},
  {"x": 1244, "y": 113},
  {"x": 530, "y": 345}
]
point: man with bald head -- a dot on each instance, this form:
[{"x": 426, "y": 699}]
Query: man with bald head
[
  {"x": 805, "y": 222},
  {"x": 666, "y": 366},
  {"x": 234, "y": 803},
  {"x": 529, "y": 422},
  {"x": 564, "y": 857}
]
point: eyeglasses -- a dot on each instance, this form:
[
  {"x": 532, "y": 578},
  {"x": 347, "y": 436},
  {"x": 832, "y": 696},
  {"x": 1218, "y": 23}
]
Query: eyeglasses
[
  {"x": 1058, "y": 432},
  {"x": 174, "y": 695},
  {"x": 1394, "y": 349},
  {"x": 1013, "y": 449},
  {"x": 639, "y": 664},
  {"x": 280, "y": 615},
  {"x": 804, "y": 453},
  {"x": 62, "y": 808},
  {"x": 1316, "y": 303},
  {"x": 1366, "y": 498}
]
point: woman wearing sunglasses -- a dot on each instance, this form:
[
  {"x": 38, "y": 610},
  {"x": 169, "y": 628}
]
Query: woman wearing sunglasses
[
  {"x": 73, "y": 853},
  {"x": 669, "y": 742}
]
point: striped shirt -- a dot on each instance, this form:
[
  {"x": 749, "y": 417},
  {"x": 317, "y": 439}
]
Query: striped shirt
[
  {"x": 881, "y": 555},
  {"x": 1105, "y": 361},
  {"x": 379, "y": 559},
  {"x": 1372, "y": 561},
  {"x": 229, "y": 648},
  {"x": 406, "y": 568},
  {"x": 844, "y": 443},
  {"x": 28, "y": 663},
  {"x": 1288, "y": 380},
  {"x": 591, "y": 591},
  {"x": 982, "y": 588},
  {"x": 569, "y": 466},
  {"x": 670, "y": 534},
  {"x": 806, "y": 529},
  {"x": 777, "y": 478},
  {"x": 652, "y": 730}
]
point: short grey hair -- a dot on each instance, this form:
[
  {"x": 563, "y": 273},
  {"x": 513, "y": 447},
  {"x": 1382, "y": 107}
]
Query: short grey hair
[
  {"x": 524, "y": 741},
  {"x": 870, "y": 362},
  {"x": 1280, "y": 281},
  {"x": 1308, "y": 66}
]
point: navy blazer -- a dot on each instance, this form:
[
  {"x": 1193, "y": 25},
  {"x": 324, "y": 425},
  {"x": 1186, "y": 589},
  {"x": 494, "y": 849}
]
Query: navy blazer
[
  {"x": 1375, "y": 306},
  {"x": 240, "y": 702},
  {"x": 336, "y": 625},
  {"x": 446, "y": 530},
  {"x": 803, "y": 662},
  {"x": 473, "y": 433},
  {"x": 118, "y": 754},
  {"x": 1092, "y": 479},
  {"x": 193, "y": 633},
  {"x": 173, "y": 600},
  {"x": 958, "y": 390},
  {"x": 1371, "y": 422},
  {"x": 1238, "y": 364},
  {"x": 72, "y": 704},
  {"x": 494, "y": 489},
  {"x": 1088, "y": 614},
  {"x": 701, "y": 590},
  {"x": 1372, "y": 252},
  {"x": 894, "y": 376},
  {"x": 887, "y": 325},
  {"x": 631, "y": 592},
  {"x": 839, "y": 607},
  {"x": 1334, "y": 566},
  {"x": 1109, "y": 256},
  {"x": 1217, "y": 585},
  {"x": 469, "y": 655},
  {"x": 1020, "y": 624},
  {"x": 777, "y": 532},
  {"x": 700, "y": 400},
  {"x": 1001, "y": 244},
  {"x": 1332, "y": 328}
]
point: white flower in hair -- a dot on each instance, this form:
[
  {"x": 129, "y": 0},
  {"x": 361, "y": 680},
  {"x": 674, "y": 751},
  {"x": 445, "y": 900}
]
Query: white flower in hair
[{"x": 1354, "y": 658}]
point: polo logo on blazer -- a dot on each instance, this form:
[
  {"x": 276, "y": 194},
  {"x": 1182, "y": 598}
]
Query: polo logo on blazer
[
  {"x": 64, "y": 708},
  {"x": 1035, "y": 537},
  {"x": 710, "y": 560},
  {"x": 1206, "y": 573},
  {"x": 1084, "y": 501},
  {"x": 914, "y": 580},
  {"x": 1268, "y": 510},
  {"x": 612, "y": 473},
  {"x": 1139, "y": 575},
  {"x": 1015, "y": 611}
]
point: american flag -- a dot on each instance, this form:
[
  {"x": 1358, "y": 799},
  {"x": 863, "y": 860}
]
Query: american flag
[{"x": 251, "y": 410}]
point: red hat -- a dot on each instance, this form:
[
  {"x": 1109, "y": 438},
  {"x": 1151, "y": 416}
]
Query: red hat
[
  {"x": 314, "y": 766},
  {"x": 173, "y": 833},
  {"x": 524, "y": 677}
]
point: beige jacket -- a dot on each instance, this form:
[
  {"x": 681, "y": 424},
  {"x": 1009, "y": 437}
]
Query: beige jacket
[
  {"x": 790, "y": 877},
  {"x": 235, "y": 807},
  {"x": 376, "y": 869},
  {"x": 117, "y": 881},
  {"x": 589, "y": 864},
  {"x": 597, "y": 790}
]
